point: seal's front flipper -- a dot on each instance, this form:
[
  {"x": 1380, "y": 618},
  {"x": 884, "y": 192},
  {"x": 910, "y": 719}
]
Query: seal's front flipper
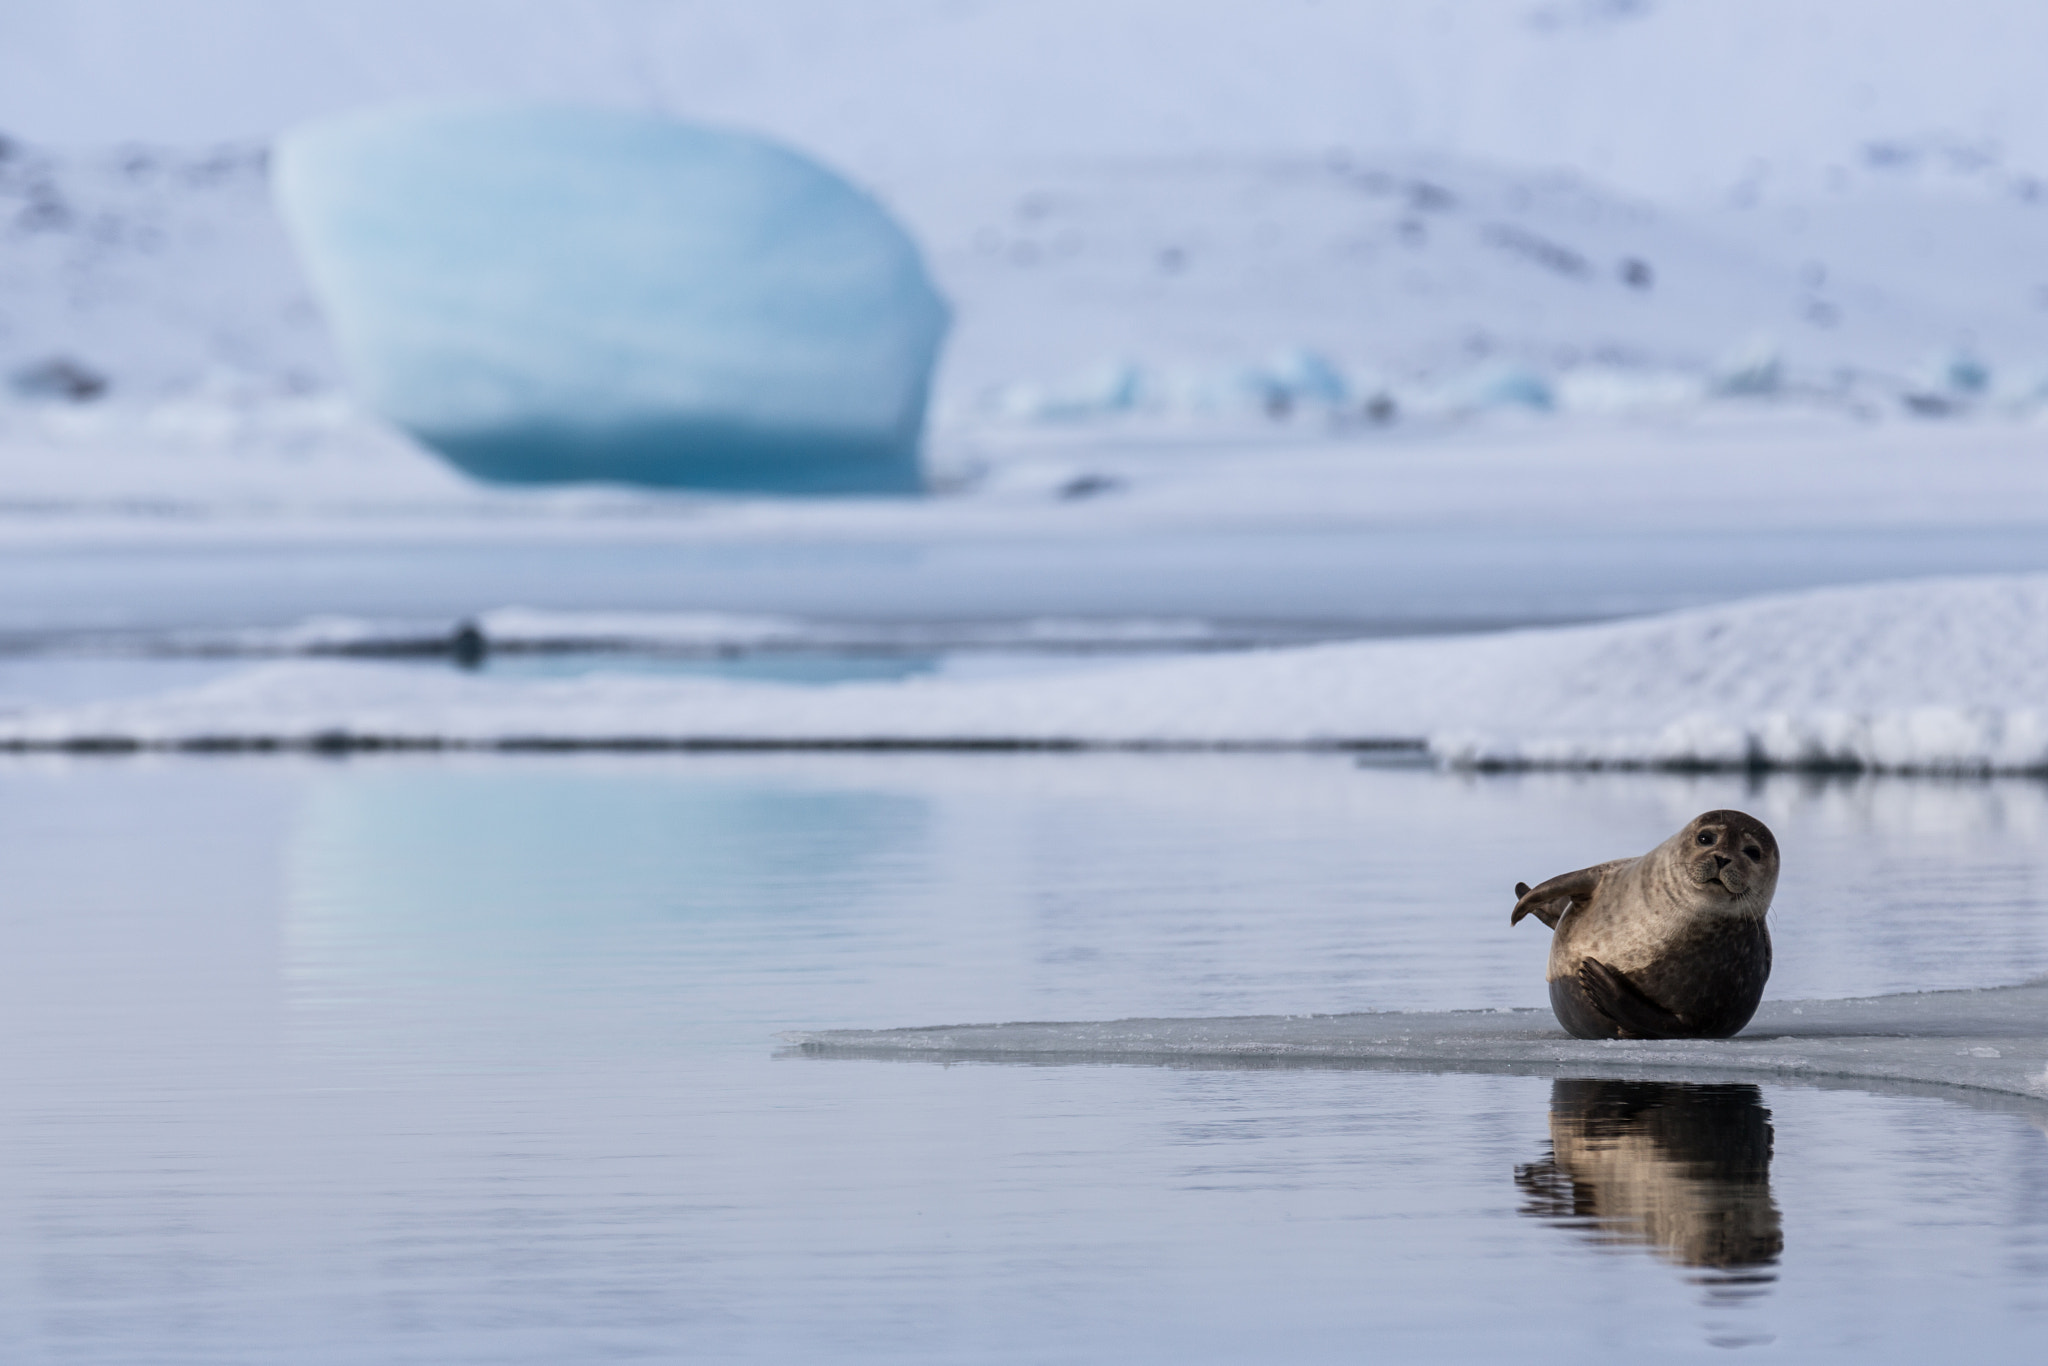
[
  {"x": 1623, "y": 1002},
  {"x": 1549, "y": 901}
]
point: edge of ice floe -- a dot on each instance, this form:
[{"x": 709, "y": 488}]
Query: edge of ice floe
[
  {"x": 1987, "y": 1041},
  {"x": 1930, "y": 677},
  {"x": 1933, "y": 742}
]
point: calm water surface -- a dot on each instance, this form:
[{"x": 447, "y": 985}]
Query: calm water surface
[{"x": 474, "y": 1060}]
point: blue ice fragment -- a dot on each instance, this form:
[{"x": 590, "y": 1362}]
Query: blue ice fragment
[
  {"x": 1965, "y": 373},
  {"x": 547, "y": 294},
  {"x": 1754, "y": 369},
  {"x": 1509, "y": 386},
  {"x": 1307, "y": 377}
]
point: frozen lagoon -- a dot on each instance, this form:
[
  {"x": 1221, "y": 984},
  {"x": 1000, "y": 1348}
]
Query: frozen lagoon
[
  {"x": 478, "y": 1057},
  {"x": 466, "y": 1058}
]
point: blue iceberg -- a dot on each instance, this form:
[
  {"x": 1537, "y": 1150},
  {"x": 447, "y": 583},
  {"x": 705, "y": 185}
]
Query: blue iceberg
[{"x": 547, "y": 294}]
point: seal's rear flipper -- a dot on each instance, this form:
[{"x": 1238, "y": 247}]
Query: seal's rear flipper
[{"x": 1623, "y": 1002}]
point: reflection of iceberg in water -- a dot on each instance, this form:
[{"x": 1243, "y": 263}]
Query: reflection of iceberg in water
[
  {"x": 437, "y": 871},
  {"x": 1680, "y": 1168}
]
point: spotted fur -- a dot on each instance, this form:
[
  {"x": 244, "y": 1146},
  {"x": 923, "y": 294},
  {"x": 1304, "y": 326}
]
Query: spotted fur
[{"x": 1669, "y": 945}]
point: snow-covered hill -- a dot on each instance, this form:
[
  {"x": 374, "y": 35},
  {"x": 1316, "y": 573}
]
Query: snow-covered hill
[
  {"x": 1423, "y": 272},
  {"x": 1675, "y": 100},
  {"x": 1143, "y": 205},
  {"x": 1199, "y": 286},
  {"x": 153, "y": 271}
]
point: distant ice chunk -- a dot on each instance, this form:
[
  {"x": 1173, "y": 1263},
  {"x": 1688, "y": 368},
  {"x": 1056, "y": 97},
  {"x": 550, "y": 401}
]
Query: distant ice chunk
[
  {"x": 1294, "y": 378},
  {"x": 1965, "y": 372},
  {"x": 1506, "y": 386},
  {"x": 1948, "y": 385},
  {"x": 1753, "y": 369},
  {"x": 1116, "y": 387},
  {"x": 547, "y": 294},
  {"x": 1611, "y": 389},
  {"x": 1289, "y": 381}
]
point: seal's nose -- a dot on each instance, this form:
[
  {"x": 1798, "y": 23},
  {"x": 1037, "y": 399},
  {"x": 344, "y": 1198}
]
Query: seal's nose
[{"x": 1722, "y": 860}]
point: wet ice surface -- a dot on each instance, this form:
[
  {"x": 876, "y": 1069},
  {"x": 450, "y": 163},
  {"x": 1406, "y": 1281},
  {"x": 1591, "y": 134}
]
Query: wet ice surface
[
  {"x": 1994, "y": 1041},
  {"x": 448, "y": 1060}
]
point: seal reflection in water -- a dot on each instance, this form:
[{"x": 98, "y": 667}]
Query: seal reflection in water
[
  {"x": 1684, "y": 1170},
  {"x": 1671, "y": 945}
]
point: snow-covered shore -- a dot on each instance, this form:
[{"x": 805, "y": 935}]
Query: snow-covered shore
[{"x": 1943, "y": 676}]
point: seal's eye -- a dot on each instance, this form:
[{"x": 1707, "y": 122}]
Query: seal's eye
[
  {"x": 1754, "y": 852},
  {"x": 1706, "y": 837}
]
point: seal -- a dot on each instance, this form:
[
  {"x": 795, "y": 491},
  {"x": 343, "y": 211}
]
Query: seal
[{"x": 1671, "y": 945}]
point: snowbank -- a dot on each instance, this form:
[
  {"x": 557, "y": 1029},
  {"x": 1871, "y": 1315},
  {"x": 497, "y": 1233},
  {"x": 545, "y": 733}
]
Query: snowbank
[{"x": 1940, "y": 676}]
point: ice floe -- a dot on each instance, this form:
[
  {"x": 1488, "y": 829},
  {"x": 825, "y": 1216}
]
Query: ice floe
[
  {"x": 1993, "y": 1040},
  {"x": 1941, "y": 676}
]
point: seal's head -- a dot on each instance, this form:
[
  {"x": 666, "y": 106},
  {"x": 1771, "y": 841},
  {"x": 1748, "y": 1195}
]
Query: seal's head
[{"x": 1732, "y": 854}]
